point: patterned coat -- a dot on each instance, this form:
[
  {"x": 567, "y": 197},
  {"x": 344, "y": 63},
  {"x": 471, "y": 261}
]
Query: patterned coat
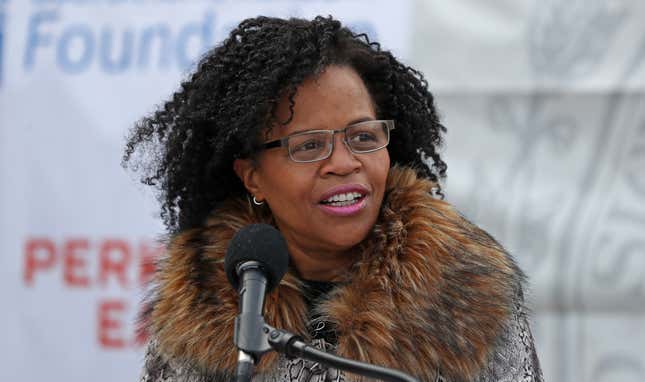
[{"x": 431, "y": 294}]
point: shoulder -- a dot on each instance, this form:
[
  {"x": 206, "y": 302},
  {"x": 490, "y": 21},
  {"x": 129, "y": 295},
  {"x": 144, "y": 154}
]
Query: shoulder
[
  {"x": 472, "y": 288},
  {"x": 514, "y": 357}
]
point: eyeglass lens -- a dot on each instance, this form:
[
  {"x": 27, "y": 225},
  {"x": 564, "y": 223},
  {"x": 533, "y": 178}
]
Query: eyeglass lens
[{"x": 361, "y": 138}]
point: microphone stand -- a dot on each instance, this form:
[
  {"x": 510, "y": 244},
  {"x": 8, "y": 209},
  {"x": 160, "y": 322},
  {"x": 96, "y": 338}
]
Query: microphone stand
[{"x": 292, "y": 346}]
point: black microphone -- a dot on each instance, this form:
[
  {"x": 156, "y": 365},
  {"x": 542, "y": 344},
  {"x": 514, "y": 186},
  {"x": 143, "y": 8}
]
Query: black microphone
[{"x": 256, "y": 260}]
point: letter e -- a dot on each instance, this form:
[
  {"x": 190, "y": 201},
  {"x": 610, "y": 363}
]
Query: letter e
[
  {"x": 108, "y": 325},
  {"x": 73, "y": 261}
]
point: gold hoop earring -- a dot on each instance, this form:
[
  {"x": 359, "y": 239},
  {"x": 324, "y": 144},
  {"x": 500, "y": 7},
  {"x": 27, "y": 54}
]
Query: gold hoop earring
[{"x": 255, "y": 201}]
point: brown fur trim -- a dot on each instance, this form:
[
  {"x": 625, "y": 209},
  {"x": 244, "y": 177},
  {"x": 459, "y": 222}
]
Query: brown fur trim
[{"x": 430, "y": 290}]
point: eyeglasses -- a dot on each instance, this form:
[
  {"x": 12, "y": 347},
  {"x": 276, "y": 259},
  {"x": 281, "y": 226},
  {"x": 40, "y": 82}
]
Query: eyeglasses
[{"x": 315, "y": 145}]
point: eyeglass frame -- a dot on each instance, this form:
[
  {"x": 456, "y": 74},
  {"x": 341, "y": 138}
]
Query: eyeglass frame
[{"x": 284, "y": 141}]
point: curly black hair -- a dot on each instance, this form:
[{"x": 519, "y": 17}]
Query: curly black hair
[{"x": 186, "y": 148}]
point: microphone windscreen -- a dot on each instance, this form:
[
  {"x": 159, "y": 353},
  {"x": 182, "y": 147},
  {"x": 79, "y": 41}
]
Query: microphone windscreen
[{"x": 262, "y": 243}]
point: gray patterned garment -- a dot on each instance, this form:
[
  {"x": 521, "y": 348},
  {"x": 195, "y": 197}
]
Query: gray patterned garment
[
  {"x": 514, "y": 360},
  {"x": 296, "y": 370}
]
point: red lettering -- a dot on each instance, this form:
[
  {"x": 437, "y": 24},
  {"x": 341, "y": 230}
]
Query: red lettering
[
  {"x": 40, "y": 254},
  {"x": 109, "y": 326},
  {"x": 74, "y": 263},
  {"x": 147, "y": 261},
  {"x": 114, "y": 258}
]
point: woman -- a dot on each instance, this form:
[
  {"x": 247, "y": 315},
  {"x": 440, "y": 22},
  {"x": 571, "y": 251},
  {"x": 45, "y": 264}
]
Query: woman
[{"x": 303, "y": 125}]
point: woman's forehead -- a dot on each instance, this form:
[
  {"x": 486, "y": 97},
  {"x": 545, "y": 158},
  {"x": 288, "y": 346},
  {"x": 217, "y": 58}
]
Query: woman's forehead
[{"x": 331, "y": 100}]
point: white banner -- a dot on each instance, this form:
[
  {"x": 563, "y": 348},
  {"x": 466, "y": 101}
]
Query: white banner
[
  {"x": 78, "y": 232},
  {"x": 545, "y": 109}
]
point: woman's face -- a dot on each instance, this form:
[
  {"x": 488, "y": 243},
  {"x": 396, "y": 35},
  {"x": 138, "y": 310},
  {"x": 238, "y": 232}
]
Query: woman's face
[{"x": 298, "y": 193}]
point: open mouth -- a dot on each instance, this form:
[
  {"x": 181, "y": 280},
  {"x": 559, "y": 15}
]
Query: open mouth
[{"x": 344, "y": 199}]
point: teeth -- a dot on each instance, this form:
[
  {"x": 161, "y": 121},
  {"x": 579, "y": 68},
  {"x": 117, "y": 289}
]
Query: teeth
[{"x": 343, "y": 199}]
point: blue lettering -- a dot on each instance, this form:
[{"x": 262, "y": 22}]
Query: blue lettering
[
  {"x": 108, "y": 63},
  {"x": 194, "y": 29},
  {"x": 83, "y": 34},
  {"x": 34, "y": 36},
  {"x": 160, "y": 32},
  {"x": 77, "y": 47}
]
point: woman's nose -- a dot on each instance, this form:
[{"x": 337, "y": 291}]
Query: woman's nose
[{"x": 342, "y": 160}]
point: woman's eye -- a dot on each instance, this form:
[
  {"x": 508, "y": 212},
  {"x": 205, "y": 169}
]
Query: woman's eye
[
  {"x": 363, "y": 137},
  {"x": 309, "y": 145}
]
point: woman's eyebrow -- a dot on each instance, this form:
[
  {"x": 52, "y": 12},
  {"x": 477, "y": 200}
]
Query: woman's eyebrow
[
  {"x": 298, "y": 130},
  {"x": 361, "y": 119}
]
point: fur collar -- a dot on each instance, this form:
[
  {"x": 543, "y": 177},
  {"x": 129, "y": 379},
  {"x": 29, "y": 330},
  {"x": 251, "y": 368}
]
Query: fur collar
[{"x": 430, "y": 290}]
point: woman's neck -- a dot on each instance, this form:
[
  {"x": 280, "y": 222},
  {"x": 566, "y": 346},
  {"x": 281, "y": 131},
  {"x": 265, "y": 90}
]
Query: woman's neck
[{"x": 320, "y": 265}]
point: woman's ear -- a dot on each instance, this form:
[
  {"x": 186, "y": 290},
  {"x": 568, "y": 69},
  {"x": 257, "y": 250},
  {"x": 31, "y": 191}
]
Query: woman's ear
[{"x": 246, "y": 170}]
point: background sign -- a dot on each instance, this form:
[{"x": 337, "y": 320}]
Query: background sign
[
  {"x": 78, "y": 233},
  {"x": 545, "y": 111}
]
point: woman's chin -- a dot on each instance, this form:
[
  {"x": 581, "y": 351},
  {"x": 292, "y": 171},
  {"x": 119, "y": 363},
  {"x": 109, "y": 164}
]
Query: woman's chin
[
  {"x": 345, "y": 238},
  {"x": 347, "y": 227}
]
